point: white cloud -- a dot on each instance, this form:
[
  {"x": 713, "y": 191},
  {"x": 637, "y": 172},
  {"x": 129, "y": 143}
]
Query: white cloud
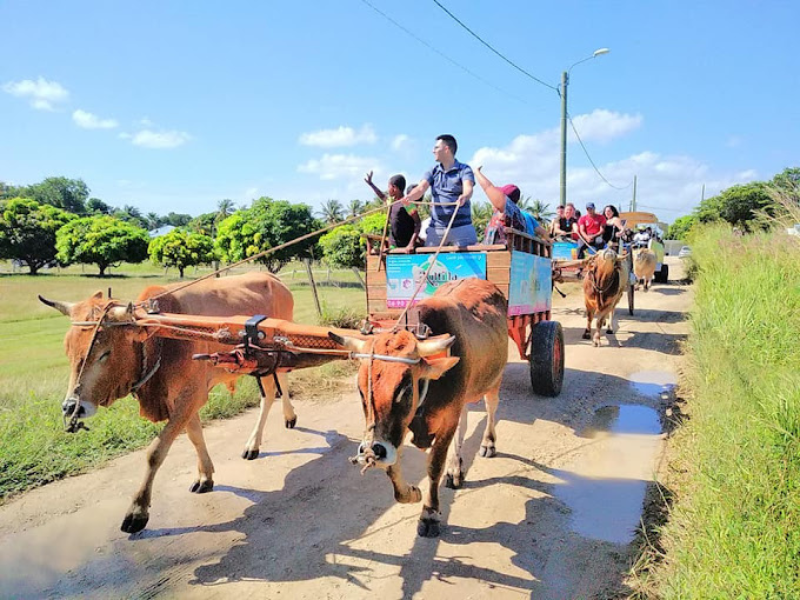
[
  {"x": 336, "y": 166},
  {"x": 157, "y": 139},
  {"x": 342, "y": 136},
  {"x": 669, "y": 185},
  {"x": 89, "y": 121},
  {"x": 42, "y": 94},
  {"x": 603, "y": 125},
  {"x": 401, "y": 141}
]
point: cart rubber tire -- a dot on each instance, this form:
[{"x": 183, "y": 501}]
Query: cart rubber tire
[
  {"x": 631, "y": 291},
  {"x": 663, "y": 275},
  {"x": 546, "y": 358}
]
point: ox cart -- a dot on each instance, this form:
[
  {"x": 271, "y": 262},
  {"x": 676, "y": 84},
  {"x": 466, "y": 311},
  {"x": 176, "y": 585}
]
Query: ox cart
[
  {"x": 521, "y": 269},
  {"x": 567, "y": 267}
]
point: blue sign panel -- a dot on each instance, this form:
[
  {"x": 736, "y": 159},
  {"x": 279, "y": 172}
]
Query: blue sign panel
[
  {"x": 405, "y": 272},
  {"x": 531, "y": 287}
]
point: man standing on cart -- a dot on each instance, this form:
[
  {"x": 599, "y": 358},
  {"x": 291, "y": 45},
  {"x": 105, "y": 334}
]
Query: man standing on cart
[{"x": 451, "y": 184}]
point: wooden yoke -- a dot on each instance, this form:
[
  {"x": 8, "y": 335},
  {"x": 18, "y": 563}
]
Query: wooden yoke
[{"x": 262, "y": 345}]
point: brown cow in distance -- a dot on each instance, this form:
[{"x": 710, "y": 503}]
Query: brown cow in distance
[
  {"x": 174, "y": 386},
  {"x": 605, "y": 281},
  {"x": 405, "y": 386},
  {"x": 644, "y": 267}
]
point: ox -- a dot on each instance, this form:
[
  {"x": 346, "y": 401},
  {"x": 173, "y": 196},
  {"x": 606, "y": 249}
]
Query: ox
[
  {"x": 405, "y": 386},
  {"x": 644, "y": 267},
  {"x": 606, "y": 278},
  {"x": 161, "y": 374}
]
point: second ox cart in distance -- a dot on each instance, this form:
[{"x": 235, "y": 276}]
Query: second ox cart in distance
[{"x": 522, "y": 270}]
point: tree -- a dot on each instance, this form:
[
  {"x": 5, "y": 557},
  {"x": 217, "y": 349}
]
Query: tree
[
  {"x": 680, "y": 227},
  {"x": 481, "y": 215},
  {"x": 101, "y": 240},
  {"x": 97, "y": 206},
  {"x": 332, "y": 211},
  {"x": 205, "y": 224},
  {"x": 343, "y": 247},
  {"x": 153, "y": 220},
  {"x": 355, "y": 208},
  {"x": 225, "y": 208},
  {"x": 63, "y": 193},
  {"x": 538, "y": 208},
  {"x": 181, "y": 249},
  {"x": 8, "y": 191},
  {"x": 28, "y": 232},
  {"x": 177, "y": 219},
  {"x": 267, "y": 224},
  {"x": 130, "y": 214},
  {"x": 738, "y": 205}
]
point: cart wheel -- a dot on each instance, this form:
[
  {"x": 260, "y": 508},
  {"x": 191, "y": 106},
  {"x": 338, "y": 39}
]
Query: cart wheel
[
  {"x": 663, "y": 274},
  {"x": 547, "y": 358},
  {"x": 631, "y": 290}
]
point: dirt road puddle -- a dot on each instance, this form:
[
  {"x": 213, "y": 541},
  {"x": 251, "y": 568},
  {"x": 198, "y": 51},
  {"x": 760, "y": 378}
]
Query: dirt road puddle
[
  {"x": 605, "y": 485},
  {"x": 654, "y": 384}
]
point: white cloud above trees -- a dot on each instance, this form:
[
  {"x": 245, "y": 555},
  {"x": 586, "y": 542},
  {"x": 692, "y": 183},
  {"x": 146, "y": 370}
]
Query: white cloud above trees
[
  {"x": 40, "y": 93},
  {"x": 338, "y": 166},
  {"x": 87, "y": 120},
  {"x": 340, "y": 137}
]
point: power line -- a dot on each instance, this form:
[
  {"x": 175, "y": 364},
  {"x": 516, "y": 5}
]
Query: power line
[
  {"x": 489, "y": 46},
  {"x": 443, "y": 55},
  {"x": 586, "y": 152}
]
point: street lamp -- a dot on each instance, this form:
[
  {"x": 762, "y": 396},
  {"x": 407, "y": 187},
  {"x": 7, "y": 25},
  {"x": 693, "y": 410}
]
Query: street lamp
[{"x": 563, "y": 91}]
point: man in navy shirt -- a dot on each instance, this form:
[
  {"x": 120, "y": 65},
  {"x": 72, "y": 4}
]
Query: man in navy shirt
[{"x": 450, "y": 182}]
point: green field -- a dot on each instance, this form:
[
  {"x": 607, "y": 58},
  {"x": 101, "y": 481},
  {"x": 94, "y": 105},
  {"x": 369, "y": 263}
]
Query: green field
[
  {"x": 34, "y": 372},
  {"x": 734, "y": 531}
]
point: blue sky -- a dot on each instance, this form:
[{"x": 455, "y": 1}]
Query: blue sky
[{"x": 172, "y": 106}]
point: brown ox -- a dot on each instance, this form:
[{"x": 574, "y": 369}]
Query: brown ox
[
  {"x": 605, "y": 280},
  {"x": 122, "y": 357},
  {"x": 404, "y": 386},
  {"x": 644, "y": 267}
]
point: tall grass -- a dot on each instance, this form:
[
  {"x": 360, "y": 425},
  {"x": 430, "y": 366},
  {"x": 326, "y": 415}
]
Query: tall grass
[
  {"x": 735, "y": 529},
  {"x": 34, "y": 449}
]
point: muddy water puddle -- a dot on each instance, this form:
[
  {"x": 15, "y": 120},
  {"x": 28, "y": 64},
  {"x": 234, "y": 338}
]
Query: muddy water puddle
[
  {"x": 605, "y": 485},
  {"x": 654, "y": 384}
]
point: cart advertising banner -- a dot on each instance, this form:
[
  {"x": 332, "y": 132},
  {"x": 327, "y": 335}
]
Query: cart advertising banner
[
  {"x": 531, "y": 287},
  {"x": 405, "y": 271}
]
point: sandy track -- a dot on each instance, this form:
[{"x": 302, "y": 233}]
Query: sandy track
[{"x": 546, "y": 518}]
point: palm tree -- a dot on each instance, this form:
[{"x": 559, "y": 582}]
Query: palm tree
[
  {"x": 481, "y": 214},
  {"x": 153, "y": 220},
  {"x": 538, "y": 208},
  {"x": 225, "y": 208},
  {"x": 332, "y": 211},
  {"x": 355, "y": 208}
]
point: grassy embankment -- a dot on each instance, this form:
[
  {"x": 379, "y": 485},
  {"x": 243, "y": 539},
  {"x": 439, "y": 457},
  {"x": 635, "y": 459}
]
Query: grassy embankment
[
  {"x": 734, "y": 531},
  {"x": 34, "y": 373}
]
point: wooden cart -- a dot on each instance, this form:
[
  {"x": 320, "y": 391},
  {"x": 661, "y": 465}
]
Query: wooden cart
[{"x": 522, "y": 269}]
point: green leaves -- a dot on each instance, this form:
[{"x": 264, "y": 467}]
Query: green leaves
[
  {"x": 181, "y": 249},
  {"x": 101, "y": 240},
  {"x": 28, "y": 231}
]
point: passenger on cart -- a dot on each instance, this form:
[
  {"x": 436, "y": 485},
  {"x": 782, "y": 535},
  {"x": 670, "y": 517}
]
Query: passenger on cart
[
  {"x": 451, "y": 183},
  {"x": 590, "y": 230},
  {"x": 565, "y": 225},
  {"x": 504, "y": 201},
  {"x": 404, "y": 221}
]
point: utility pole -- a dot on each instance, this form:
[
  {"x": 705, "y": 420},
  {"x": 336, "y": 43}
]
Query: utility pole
[
  {"x": 633, "y": 202},
  {"x": 562, "y": 198}
]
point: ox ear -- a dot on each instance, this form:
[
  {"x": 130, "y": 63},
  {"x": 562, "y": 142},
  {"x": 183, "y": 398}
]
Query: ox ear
[
  {"x": 434, "y": 368},
  {"x": 65, "y": 308},
  {"x": 352, "y": 344},
  {"x": 435, "y": 345},
  {"x": 98, "y": 295}
]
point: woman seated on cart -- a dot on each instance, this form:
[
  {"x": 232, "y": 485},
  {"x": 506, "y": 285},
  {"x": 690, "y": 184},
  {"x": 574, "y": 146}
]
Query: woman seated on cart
[{"x": 504, "y": 200}]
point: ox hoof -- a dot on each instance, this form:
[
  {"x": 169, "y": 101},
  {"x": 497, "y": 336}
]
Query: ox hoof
[
  {"x": 428, "y": 528},
  {"x": 199, "y": 487},
  {"x": 134, "y": 523},
  {"x": 587, "y": 335},
  {"x": 487, "y": 451},
  {"x": 412, "y": 496},
  {"x": 290, "y": 423},
  {"x": 250, "y": 454},
  {"x": 610, "y": 331},
  {"x": 453, "y": 481}
]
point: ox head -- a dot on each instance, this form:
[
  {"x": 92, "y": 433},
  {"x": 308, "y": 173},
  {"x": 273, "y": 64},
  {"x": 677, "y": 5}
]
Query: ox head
[
  {"x": 104, "y": 369},
  {"x": 393, "y": 381}
]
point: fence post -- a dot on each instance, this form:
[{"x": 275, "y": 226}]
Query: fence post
[{"x": 313, "y": 286}]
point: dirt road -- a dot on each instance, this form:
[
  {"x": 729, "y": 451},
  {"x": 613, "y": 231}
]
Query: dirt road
[{"x": 550, "y": 517}]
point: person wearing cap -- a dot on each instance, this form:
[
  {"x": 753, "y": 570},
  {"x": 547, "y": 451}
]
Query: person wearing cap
[
  {"x": 404, "y": 222},
  {"x": 590, "y": 230},
  {"x": 504, "y": 201},
  {"x": 451, "y": 183}
]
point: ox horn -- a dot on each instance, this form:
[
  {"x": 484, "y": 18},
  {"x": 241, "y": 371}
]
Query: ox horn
[
  {"x": 351, "y": 343},
  {"x": 122, "y": 313},
  {"x": 435, "y": 345},
  {"x": 65, "y": 308}
]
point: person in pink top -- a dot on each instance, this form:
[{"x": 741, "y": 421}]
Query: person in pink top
[{"x": 590, "y": 230}]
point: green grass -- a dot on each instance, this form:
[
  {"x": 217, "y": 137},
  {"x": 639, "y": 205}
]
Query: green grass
[
  {"x": 734, "y": 531},
  {"x": 34, "y": 372}
]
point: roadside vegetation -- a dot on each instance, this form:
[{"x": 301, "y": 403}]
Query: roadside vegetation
[
  {"x": 734, "y": 526},
  {"x": 34, "y": 449}
]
